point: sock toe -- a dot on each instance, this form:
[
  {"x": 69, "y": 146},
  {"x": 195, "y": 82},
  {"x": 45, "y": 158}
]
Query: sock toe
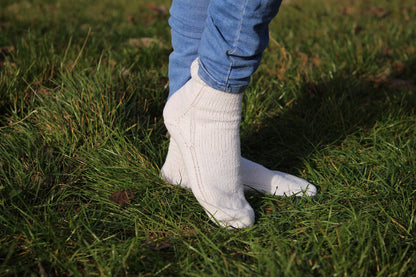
[{"x": 288, "y": 185}]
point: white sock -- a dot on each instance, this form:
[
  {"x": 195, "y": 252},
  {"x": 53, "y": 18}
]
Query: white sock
[
  {"x": 173, "y": 170},
  {"x": 204, "y": 123},
  {"x": 253, "y": 175},
  {"x": 257, "y": 177}
]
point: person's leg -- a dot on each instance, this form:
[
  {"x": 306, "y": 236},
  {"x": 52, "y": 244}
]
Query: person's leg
[
  {"x": 187, "y": 23},
  {"x": 237, "y": 57},
  {"x": 203, "y": 118},
  {"x": 235, "y": 36}
]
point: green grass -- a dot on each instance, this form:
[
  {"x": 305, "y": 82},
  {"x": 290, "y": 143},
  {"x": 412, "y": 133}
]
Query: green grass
[{"x": 80, "y": 119}]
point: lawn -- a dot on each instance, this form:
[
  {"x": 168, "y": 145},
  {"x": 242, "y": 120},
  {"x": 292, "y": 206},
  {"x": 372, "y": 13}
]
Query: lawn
[{"x": 82, "y": 89}]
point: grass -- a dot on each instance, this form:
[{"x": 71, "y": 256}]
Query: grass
[{"x": 81, "y": 98}]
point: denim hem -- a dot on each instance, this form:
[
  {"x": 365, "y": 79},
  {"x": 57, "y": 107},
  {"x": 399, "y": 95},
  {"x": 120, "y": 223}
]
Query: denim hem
[{"x": 210, "y": 81}]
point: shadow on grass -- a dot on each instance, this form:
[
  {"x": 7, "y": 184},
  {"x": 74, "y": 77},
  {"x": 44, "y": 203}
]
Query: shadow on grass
[
  {"x": 327, "y": 112},
  {"x": 5, "y": 53}
]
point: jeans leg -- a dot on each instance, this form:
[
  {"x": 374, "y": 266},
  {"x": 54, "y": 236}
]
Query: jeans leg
[
  {"x": 234, "y": 38},
  {"x": 187, "y": 23}
]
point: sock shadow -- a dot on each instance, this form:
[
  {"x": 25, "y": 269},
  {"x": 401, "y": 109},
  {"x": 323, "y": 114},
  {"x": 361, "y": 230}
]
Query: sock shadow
[{"x": 326, "y": 112}]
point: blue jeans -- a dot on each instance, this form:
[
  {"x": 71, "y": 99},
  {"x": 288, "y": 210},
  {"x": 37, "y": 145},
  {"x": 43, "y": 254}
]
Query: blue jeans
[{"x": 228, "y": 36}]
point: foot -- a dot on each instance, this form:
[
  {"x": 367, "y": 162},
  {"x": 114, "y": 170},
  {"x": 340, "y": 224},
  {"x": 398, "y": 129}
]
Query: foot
[
  {"x": 254, "y": 176},
  {"x": 204, "y": 124}
]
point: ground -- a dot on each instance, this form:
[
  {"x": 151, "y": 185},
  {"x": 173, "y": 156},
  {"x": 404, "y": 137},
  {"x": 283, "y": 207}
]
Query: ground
[{"x": 82, "y": 88}]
